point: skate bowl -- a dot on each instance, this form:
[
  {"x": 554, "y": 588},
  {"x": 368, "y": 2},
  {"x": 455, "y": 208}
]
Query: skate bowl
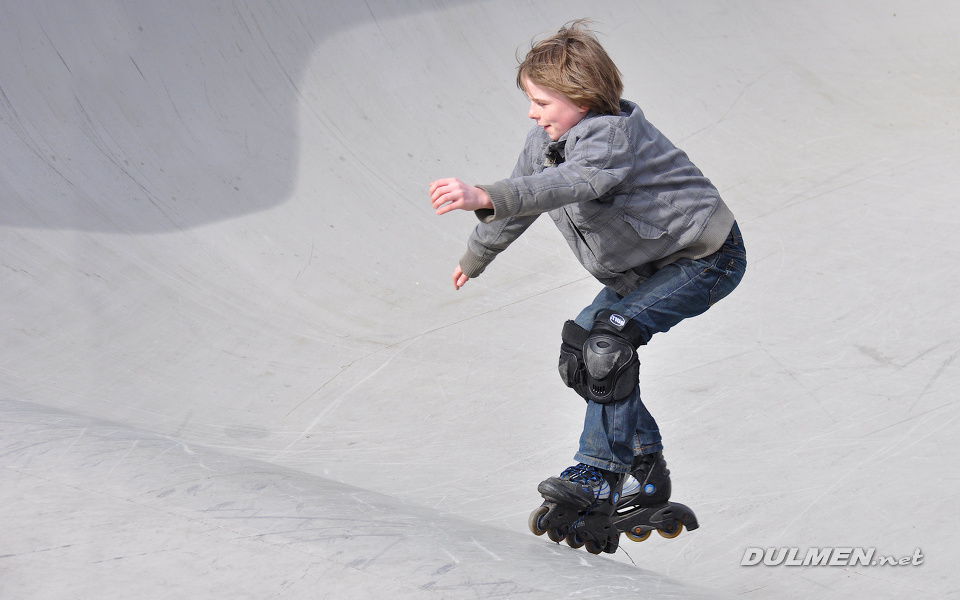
[{"x": 234, "y": 364}]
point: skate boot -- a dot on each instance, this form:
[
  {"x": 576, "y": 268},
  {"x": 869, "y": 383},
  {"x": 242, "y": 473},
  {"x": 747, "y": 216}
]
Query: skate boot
[
  {"x": 644, "y": 504},
  {"x": 577, "y": 507},
  {"x": 649, "y": 480}
]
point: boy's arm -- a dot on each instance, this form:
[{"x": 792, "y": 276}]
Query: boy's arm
[
  {"x": 490, "y": 239},
  {"x": 600, "y": 160},
  {"x": 452, "y": 194}
]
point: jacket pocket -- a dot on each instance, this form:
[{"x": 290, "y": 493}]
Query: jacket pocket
[{"x": 645, "y": 230}]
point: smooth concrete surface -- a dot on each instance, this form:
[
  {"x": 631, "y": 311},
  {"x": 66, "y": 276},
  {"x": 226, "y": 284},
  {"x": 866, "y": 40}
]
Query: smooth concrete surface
[
  {"x": 234, "y": 364},
  {"x": 154, "y": 517}
]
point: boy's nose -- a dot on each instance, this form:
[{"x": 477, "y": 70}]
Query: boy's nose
[{"x": 533, "y": 113}]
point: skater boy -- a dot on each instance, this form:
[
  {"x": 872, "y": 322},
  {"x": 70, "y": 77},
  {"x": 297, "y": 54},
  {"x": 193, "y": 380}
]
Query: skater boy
[{"x": 638, "y": 215}]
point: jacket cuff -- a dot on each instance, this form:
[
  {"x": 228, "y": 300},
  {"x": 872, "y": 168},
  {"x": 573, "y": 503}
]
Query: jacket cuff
[
  {"x": 503, "y": 199},
  {"x": 472, "y": 265}
]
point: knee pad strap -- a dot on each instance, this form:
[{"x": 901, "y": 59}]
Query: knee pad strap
[{"x": 572, "y": 370}]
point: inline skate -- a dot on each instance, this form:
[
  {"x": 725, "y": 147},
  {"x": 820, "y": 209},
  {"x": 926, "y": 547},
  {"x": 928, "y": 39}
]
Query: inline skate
[{"x": 587, "y": 506}]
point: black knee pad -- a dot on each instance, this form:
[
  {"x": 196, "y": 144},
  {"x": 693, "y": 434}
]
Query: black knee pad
[
  {"x": 572, "y": 370},
  {"x": 611, "y": 363}
]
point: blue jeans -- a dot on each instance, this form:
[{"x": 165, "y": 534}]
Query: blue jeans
[{"x": 613, "y": 433}]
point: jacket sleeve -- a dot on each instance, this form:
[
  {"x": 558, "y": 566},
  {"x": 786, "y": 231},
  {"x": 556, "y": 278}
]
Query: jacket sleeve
[
  {"x": 490, "y": 238},
  {"x": 598, "y": 158}
]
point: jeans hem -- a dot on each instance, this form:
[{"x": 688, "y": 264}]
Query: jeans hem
[
  {"x": 602, "y": 464},
  {"x": 638, "y": 450}
]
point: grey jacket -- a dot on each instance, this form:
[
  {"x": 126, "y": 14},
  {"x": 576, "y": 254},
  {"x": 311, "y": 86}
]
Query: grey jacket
[{"x": 627, "y": 201}]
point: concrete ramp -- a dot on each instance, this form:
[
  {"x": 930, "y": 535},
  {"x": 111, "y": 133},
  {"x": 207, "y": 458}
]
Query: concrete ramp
[
  {"x": 149, "y": 516},
  {"x": 233, "y": 360}
]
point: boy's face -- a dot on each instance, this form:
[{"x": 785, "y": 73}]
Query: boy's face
[{"x": 552, "y": 110}]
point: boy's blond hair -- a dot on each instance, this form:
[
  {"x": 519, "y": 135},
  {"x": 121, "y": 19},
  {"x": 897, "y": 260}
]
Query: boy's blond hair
[{"x": 573, "y": 63}]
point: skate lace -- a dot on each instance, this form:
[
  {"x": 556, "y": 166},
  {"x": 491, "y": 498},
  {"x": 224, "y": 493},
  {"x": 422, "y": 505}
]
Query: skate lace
[
  {"x": 591, "y": 477},
  {"x": 586, "y": 476}
]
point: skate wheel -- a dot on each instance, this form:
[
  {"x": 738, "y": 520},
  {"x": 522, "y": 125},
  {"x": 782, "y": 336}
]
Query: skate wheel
[
  {"x": 535, "y": 520},
  {"x": 593, "y": 547},
  {"x": 574, "y": 541},
  {"x": 638, "y": 535},
  {"x": 555, "y": 535},
  {"x": 671, "y": 532}
]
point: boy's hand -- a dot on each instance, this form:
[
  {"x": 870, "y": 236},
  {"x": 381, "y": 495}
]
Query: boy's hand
[
  {"x": 459, "y": 279},
  {"x": 452, "y": 194}
]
